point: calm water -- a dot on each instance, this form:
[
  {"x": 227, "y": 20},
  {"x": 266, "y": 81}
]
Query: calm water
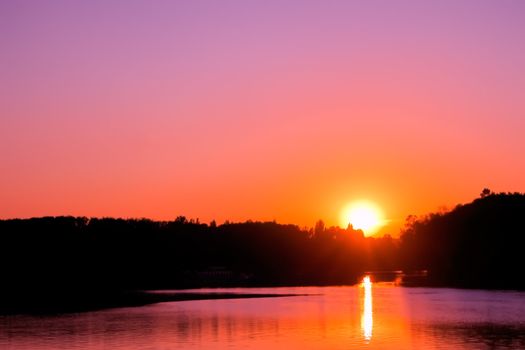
[{"x": 374, "y": 316}]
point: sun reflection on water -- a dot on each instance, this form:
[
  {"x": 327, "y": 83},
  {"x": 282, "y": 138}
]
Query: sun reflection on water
[{"x": 367, "y": 321}]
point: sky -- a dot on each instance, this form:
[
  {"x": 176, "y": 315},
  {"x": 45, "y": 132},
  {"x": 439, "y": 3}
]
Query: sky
[{"x": 261, "y": 110}]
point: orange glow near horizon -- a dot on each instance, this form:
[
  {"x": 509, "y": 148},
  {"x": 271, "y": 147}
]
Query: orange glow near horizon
[{"x": 363, "y": 215}]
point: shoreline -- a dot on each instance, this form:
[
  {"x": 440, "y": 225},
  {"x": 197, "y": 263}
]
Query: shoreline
[
  {"x": 53, "y": 302},
  {"x": 77, "y": 303}
]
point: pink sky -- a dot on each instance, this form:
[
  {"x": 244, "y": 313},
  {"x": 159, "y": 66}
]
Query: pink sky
[{"x": 269, "y": 110}]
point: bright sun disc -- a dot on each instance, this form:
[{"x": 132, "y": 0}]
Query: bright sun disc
[{"x": 363, "y": 215}]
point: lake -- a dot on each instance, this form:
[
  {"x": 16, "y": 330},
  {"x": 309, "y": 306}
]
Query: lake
[{"x": 369, "y": 315}]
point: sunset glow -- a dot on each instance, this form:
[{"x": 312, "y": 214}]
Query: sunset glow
[
  {"x": 258, "y": 110},
  {"x": 272, "y": 174},
  {"x": 363, "y": 215}
]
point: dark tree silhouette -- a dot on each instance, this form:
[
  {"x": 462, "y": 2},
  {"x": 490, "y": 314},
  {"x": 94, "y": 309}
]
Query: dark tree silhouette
[
  {"x": 59, "y": 263},
  {"x": 61, "y": 257},
  {"x": 479, "y": 244}
]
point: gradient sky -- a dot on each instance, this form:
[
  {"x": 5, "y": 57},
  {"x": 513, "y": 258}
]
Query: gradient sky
[{"x": 263, "y": 110}]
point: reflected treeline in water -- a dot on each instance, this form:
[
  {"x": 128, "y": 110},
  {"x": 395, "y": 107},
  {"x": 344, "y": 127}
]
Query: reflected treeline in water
[
  {"x": 72, "y": 263},
  {"x": 374, "y": 315},
  {"x": 491, "y": 336}
]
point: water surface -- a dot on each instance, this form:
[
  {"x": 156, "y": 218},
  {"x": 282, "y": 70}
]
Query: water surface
[{"x": 371, "y": 315}]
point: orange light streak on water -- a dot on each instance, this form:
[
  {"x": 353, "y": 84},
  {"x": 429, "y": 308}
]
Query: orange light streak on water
[{"x": 367, "y": 321}]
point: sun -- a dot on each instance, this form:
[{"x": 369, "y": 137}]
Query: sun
[{"x": 363, "y": 215}]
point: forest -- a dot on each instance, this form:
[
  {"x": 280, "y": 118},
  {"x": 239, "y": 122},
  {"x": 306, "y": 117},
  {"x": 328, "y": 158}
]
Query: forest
[
  {"x": 145, "y": 254},
  {"x": 475, "y": 245}
]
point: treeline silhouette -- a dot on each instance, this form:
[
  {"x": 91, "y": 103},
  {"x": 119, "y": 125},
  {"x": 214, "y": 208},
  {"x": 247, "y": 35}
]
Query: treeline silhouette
[
  {"x": 60, "y": 257},
  {"x": 61, "y": 263},
  {"x": 476, "y": 245}
]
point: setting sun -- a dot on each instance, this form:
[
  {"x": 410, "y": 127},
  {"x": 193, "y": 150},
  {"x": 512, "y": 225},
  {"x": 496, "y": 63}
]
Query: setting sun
[{"x": 363, "y": 215}]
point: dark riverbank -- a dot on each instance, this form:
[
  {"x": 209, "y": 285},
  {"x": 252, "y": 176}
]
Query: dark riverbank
[
  {"x": 59, "y": 303},
  {"x": 75, "y": 301}
]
